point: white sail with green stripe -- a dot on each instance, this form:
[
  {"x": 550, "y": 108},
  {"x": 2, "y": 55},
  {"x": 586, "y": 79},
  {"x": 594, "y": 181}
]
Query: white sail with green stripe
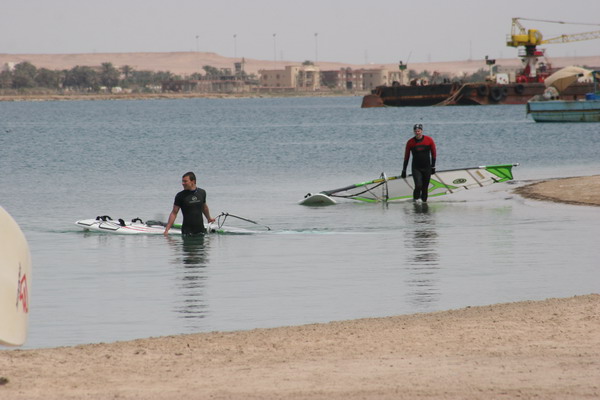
[{"x": 396, "y": 188}]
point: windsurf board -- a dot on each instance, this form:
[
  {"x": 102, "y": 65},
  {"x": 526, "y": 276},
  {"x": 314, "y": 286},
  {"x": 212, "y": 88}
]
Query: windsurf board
[
  {"x": 317, "y": 199},
  {"x": 138, "y": 227}
]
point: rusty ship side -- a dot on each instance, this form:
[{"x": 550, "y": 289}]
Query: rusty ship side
[{"x": 483, "y": 93}]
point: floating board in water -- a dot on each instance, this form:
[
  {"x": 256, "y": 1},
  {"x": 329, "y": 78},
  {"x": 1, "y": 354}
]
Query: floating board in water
[
  {"x": 396, "y": 188},
  {"x": 317, "y": 199},
  {"x": 138, "y": 227},
  {"x": 133, "y": 227},
  {"x": 15, "y": 282}
]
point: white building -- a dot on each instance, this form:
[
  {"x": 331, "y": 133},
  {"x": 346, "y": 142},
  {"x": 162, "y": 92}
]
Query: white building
[{"x": 9, "y": 66}]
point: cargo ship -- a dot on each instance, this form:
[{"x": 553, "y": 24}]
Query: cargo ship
[
  {"x": 495, "y": 90},
  {"x": 482, "y": 93}
]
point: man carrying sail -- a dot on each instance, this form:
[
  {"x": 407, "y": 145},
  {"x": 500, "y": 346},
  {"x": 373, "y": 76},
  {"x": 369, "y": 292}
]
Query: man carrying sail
[{"x": 423, "y": 163}]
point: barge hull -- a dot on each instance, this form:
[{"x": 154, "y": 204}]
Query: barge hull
[{"x": 466, "y": 94}]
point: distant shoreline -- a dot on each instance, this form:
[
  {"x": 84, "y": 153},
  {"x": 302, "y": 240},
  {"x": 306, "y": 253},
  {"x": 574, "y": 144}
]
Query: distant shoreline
[
  {"x": 185, "y": 63},
  {"x": 159, "y": 96}
]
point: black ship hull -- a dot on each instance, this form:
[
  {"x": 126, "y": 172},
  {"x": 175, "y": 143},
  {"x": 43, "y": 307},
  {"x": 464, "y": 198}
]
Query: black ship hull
[{"x": 466, "y": 94}]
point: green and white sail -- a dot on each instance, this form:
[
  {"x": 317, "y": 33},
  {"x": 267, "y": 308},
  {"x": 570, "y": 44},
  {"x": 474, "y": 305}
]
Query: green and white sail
[{"x": 396, "y": 188}]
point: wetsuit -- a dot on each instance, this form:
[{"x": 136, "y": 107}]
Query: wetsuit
[
  {"x": 191, "y": 203},
  {"x": 424, "y": 155}
]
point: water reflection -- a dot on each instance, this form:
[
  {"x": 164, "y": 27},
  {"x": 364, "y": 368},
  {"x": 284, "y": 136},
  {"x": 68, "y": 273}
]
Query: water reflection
[
  {"x": 191, "y": 255},
  {"x": 422, "y": 257}
]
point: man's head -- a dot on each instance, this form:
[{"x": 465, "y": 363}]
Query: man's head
[
  {"x": 188, "y": 180},
  {"x": 418, "y": 130}
]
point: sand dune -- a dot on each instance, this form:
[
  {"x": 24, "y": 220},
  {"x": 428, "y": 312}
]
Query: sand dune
[{"x": 185, "y": 63}]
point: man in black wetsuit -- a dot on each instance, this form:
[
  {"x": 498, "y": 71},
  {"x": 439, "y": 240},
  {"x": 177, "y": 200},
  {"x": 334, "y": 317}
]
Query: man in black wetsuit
[
  {"x": 423, "y": 164},
  {"x": 192, "y": 203}
]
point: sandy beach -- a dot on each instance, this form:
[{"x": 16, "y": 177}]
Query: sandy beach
[
  {"x": 534, "y": 349},
  {"x": 576, "y": 190}
]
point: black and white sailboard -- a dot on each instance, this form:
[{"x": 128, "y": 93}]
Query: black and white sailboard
[
  {"x": 15, "y": 282},
  {"x": 396, "y": 188},
  {"x": 136, "y": 226}
]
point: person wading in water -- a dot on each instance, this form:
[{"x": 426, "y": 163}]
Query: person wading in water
[
  {"x": 192, "y": 202},
  {"x": 423, "y": 163}
]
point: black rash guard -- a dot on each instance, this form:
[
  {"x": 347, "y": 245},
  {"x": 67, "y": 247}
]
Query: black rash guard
[{"x": 191, "y": 203}]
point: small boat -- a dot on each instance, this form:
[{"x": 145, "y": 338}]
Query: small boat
[{"x": 549, "y": 107}]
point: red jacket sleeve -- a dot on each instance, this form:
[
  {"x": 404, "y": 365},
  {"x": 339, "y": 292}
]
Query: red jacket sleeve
[
  {"x": 407, "y": 154},
  {"x": 407, "y": 150}
]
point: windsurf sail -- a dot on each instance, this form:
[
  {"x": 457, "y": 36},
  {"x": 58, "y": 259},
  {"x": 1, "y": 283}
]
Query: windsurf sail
[{"x": 396, "y": 188}]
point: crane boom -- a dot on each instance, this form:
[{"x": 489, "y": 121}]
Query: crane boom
[
  {"x": 520, "y": 36},
  {"x": 576, "y": 37}
]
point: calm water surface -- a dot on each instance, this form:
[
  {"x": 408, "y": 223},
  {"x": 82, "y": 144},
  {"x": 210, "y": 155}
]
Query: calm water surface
[{"x": 63, "y": 161}]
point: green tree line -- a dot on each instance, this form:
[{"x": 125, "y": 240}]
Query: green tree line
[
  {"x": 88, "y": 79},
  {"x": 81, "y": 78}
]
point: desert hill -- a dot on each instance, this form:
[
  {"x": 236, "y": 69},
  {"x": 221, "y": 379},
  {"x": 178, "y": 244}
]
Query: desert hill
[{"x": 185, "y": 63}]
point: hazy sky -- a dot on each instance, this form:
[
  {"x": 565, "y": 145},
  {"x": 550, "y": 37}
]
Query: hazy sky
[{"x": 350, "y": 31}]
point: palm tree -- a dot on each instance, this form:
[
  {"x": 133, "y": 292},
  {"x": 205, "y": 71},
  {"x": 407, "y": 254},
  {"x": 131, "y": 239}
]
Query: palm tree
[
  {"x": 109, "y": 76},
  {"x": 126, "y": 70}
]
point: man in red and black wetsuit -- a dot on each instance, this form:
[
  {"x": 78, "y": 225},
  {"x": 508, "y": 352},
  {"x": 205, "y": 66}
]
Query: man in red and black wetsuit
[{"x": 423, "y": 164}]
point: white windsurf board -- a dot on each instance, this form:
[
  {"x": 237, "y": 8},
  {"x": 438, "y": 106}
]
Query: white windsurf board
[
  {"x": 317, "y": 199},
  {"x": 138, "y": 227}
]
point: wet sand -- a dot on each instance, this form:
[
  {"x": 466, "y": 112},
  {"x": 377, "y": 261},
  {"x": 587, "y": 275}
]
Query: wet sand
[
  {"x": 576, "y": 190},
  {"x": 536, "y": 349}
]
